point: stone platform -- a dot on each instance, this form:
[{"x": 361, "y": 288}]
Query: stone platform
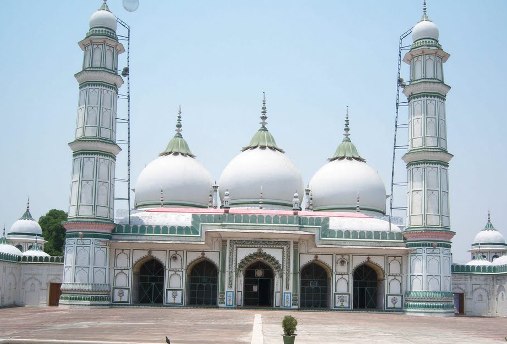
[{"x": 195, "y": 325}]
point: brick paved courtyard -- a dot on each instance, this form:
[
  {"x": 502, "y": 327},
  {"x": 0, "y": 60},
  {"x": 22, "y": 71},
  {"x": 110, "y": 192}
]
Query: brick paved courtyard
[{"x": 152, "y": 325}]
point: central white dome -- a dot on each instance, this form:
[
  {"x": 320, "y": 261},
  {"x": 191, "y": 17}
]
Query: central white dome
[
  {"x": 261, "y": 168},
  {"x": 175, "y": 178}
]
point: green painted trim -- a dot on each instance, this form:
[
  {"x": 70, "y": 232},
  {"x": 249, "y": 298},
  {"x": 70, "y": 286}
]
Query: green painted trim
[
  {"x": 25, "y": 234},
  {"x": 478, "y": 269},
  {"x": 429, "y": 244},
  {"x": 69, "y": 299},
  {"x": 84, "y": 219},
  {"x": 87, "y": 235},
  {"x": 9, "y": 257},
  {"x": 427, "y": 162},
  {"x": 295, "y": 275},
  {"x": 150, "y": 204},
  {"x": 423, "y": 294},
  {"x": 361, "y": 235},
  {"x": 262, "y": 139},
  {"x": 102, "y": 31},
  {"x": 490, "y": 244},
  {"x": 346, "y": 150},
  {"x": 51, "y": 259},
  {"x": 425, "y": 43},
  {"x": 89, "y": 153},
  {"x": 428, "y": 229},
  {"x": 264, "y": 201},
  {"x": 87, "y": 84},
  {"x": 427, "y": 95},
  {"x": 187, "y": 231},
  {"x": 351, "y": 208}
]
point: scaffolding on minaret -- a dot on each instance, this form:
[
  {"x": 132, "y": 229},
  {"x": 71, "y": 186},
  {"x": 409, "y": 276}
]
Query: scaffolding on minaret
[
  {"x": 124, "y": 120},
  {"x": 397, "y": 196}
]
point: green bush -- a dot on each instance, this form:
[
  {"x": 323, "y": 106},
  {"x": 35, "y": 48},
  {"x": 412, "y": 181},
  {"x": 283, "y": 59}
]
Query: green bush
[{"x": 289, "y": 325}]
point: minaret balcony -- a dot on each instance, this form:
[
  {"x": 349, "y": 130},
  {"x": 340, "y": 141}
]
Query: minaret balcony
[
  {"x": 427, "y": 154},
  {"x": 94, "y": 145},
  {"x": 426, "y": 50},
  {"x": 99, "y": 76},
  {"x": 426, "y": 86}
]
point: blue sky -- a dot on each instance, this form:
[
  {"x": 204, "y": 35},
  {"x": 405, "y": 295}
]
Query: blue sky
[{"x": 215, "y": 58}]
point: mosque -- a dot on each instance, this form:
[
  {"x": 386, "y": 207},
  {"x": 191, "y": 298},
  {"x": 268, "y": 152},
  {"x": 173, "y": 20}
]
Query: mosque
[{"x": 258, "y": 237}]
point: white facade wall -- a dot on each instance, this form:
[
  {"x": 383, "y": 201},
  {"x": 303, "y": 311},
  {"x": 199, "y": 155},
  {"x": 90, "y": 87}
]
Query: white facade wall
[{"x": 27, "y": 284}]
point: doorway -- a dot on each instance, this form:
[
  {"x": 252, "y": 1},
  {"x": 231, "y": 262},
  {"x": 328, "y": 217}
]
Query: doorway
[
  {"x": 365, "y": 288},
  {"x": 54, "y": 294},
  {"x": 203, "y": 284},
  {"x": 258, "y": 285},
  {"x": 150, "y": 283},
  {"x": 314, "y": 287}
]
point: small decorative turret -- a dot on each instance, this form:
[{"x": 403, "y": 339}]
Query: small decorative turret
[
  {"x": 227, "y": 199},
  {"x": 296, "y": 203},
  {"x": 215, "y": 194}
]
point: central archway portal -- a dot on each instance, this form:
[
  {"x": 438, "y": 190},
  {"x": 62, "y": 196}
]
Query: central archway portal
[{"x": 259, "y": 285}]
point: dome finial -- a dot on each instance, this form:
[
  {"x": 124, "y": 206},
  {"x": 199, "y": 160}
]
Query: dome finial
[
  {"x": 264, "y": 117},
  {"x": 178, "y": 123},
  {"x": 346, "y": 129},
  {"x": 425, "y": 14}
]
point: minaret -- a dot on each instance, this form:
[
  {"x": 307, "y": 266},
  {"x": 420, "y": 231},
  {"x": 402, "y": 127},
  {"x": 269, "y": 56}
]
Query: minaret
[
  {"x": 94, "y": 150},
  {"x": 428, "y": 232}
]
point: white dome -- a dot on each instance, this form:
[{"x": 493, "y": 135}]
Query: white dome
[
  {"x": 180, "y": 180},
  {"x": 261, "y": 169},
  {"x": 26, "y": 225},
  {"x": 175, "y": 178},
  {"x": 337, "y": 185},
  {"x": 346, "y": 177},
  {"x": 9, "y": 249},
  {"x": 489, "y": 235},
  {"x": 35, "y": 253},
  {"x": 500, "y": 261},
  {"x": 103, "y": 18},
  {"x": 425, "y": 29}
]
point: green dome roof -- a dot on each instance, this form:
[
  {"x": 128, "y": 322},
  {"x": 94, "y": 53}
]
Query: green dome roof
[
  {"x": 263, "y": 138},
  {"x": 346, "y": 149},
  {"x": 178, "y": 145}
]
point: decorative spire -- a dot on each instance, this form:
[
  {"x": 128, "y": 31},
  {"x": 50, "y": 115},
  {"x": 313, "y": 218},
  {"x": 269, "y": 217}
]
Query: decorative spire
[
  {"x": 263, "y": 138},
  {"x": 161, "y": 198},
  {"x": 27, "y": 215},
  {"x": 346, "y": 149},
  {"x": 425, "y": 14},
  {"x": 489, "y": 226},
  {"x": 3, "y": 239},
  {"x": 264, "y": 117},
  {"x": 178, "y": 145},
  {"x": 358, "y": 209},
  {"x": 104, "y": 6},
  {"x": 178, "y": 123},
  {"x": 346, "y": 129},
  {"x": 261, "y": 199}
]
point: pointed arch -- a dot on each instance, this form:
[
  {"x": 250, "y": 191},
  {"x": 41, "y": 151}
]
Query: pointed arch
[
  {"x": 202, "y": 285},
  {"x": 260, "y": 256}
]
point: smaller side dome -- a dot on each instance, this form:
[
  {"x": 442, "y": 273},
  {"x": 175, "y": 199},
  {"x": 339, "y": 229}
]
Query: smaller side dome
[
  {"x": 489, "y": 235},
  {"x": 26, "y": 225},
  {"x": 6, "y": 248},
  {"x": 175, "y": 178},
  {"x": 425, "y": 28},
  {"x": 103, "y": 18},
  {"x": 479, "y": 261},
  {"x": 35, "y": 251}
]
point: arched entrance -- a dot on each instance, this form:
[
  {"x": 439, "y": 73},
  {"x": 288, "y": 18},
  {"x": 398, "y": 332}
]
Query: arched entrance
[
  {"x": 258, "y": 285},
  {"x": 365, "y": 288},
  {"x": 149, "y": 282},
  {"x": 314, "y": 287},
  {"x": 203, "y": 284}
]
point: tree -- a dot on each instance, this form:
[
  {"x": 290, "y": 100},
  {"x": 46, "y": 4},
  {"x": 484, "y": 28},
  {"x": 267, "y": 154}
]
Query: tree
[{"x": 53, "y": 231}]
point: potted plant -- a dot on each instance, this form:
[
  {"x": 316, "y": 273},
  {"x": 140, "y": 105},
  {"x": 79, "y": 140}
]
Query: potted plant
[{"x": 289, "y": 324}]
